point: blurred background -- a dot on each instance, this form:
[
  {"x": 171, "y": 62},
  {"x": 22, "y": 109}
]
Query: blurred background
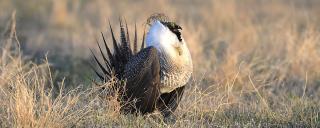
[{"x": 272, "y": 43}]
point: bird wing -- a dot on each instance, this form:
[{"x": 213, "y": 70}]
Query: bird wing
[{"x": 142, "y": 74}]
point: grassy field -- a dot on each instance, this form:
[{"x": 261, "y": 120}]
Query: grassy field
[{"x": 256, "y": 62}]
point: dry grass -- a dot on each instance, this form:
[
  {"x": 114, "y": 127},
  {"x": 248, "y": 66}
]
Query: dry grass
[{"x": 257, "y": 63}]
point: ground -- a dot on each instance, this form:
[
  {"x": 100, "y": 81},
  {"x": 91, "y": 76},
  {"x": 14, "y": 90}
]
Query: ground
[{"x": 256, "y": 62}]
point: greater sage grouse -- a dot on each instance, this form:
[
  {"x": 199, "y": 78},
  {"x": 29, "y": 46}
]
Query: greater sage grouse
[{"x": 154, "y": 77}]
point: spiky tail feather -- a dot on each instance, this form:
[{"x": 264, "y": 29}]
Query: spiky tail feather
[{"x": 113, "y": 63}]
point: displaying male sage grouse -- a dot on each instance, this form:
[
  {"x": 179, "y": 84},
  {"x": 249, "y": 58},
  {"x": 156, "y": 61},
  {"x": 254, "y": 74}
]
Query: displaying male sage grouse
[{"x": 153, "y": 78}]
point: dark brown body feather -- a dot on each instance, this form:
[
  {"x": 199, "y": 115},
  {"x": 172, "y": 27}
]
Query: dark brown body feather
[
  {"x": 141, "y": 71},
  {"x": 143, "y": 80}
]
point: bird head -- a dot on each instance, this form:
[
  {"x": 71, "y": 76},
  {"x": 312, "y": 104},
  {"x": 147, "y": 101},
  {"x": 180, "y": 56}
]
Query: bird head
[{"x": 166, "y": 37}]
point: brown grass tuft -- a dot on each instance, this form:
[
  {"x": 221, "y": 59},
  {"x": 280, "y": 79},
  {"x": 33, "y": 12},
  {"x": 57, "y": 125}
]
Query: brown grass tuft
[{"x": 256, "y": 63}]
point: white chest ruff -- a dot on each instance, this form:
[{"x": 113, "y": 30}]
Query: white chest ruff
[
  {"x": 175, "y": 60},
  {"x": 170, "y": 82},
  {"x": 175, "y": 73}
]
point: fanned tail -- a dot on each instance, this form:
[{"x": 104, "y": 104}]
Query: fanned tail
[{"x": 113, "y": 63}]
